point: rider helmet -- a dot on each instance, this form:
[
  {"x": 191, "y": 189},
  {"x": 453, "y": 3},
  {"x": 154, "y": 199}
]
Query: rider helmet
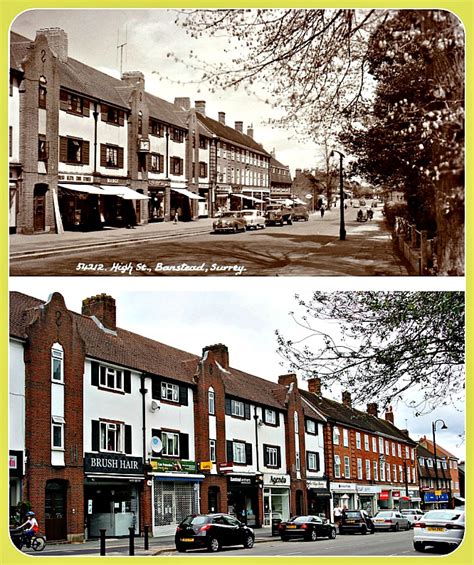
[{"x": 29, "y": 514}]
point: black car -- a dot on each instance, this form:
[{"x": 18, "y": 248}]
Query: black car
[
  {"x": 309, "y": 528},
  {"x": 212, "y": 531},
  {"x": 356, "y": 521}
]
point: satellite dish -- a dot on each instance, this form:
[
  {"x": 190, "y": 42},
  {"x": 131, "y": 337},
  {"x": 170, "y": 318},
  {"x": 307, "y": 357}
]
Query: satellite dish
[{"x": 156, "y": 444}]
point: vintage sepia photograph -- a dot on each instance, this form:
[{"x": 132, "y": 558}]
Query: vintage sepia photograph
[
  {"x": 236, "y": 142},
  {"x": 204, "y": 422}
]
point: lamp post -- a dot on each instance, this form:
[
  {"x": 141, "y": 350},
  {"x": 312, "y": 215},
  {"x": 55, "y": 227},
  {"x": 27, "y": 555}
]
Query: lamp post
[
  {"x": 342, "y": 229},
  {"x": 433, "y": 427}
]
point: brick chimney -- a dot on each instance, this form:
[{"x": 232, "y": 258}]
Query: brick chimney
[
  {"x": 219, "y": 352},
  {"x": 373, "y": 409},
  {"x": 102, "y": 306},
  {"x": 239, "y": 126},
  {"x": 57, "y": 41},
  {"x": 183, "y": 103},
  {"x": 250, "y": 130},
  {"x": 346, "y": 398},
  {"x": 297, "y": 172},
  {"x": 286, "y": 380},
  {"x": 134, "y": 78},
  {"x": 314, "y": 385},
  {"x": 200, "y": 106},
  {"x": 221, "y": 118},
  {"x": 389, "y": 415}
]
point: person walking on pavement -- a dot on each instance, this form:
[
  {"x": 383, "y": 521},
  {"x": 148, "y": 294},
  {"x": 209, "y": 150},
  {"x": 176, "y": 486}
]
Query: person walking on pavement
[{"x": 322, "y": 210}]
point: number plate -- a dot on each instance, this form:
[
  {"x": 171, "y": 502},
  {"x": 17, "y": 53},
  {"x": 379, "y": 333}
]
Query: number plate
[
  {"x": 186, "y": 539},
  {"x": 291, "y": 527},
  {"x": 432, "y": 529},
  {"x": 350, "y": 521}
]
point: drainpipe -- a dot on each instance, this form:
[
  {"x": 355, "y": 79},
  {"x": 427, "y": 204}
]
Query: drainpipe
[
  {"x": 143, "y": 392},
  {"x": 96, "y": 119}
]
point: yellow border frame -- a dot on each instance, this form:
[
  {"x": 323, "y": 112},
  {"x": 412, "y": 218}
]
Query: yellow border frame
[{"x": 9, "y": 9}]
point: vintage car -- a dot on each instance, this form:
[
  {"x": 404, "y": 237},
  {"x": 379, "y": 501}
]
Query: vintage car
[
  {"x": 278, "y": 214},
  {"x": 230, "y": 221},
  {"x": 254, "y": 219},
  {"x": 362, "y": 215},
  {"x": 299, "y": 212}
]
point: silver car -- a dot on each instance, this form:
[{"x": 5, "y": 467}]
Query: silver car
[
  {"x": 253, "y": 219},
  {"x": 390, "y": 520},
  {"x": 412, "y": 514},
  {"x": 439, "y": 528}
]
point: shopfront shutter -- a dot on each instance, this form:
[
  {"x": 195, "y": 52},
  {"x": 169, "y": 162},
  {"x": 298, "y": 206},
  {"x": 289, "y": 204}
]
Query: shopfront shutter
[
  {"x": 95, "y": 437},
  {"x": 128, "y": 439},
  {"x": 228, "y": 406},
  {"x": 247, "y": 411},
  {"x": 183, "y": 395},
  {"x": 94, "y": 373},
  {"x": 184, "y": 446},
  {"x": 230, "y": 451},
  {"x": 127, "y": 384},
  {"x": 85, "y": 152},
  {"x": 120, "y": 157},
  {"x": 248, "y": 454},
  {"x": 63, "y": 149}
]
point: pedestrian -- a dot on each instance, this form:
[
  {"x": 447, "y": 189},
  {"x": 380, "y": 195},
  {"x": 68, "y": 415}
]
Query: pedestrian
[
  {"x": 337, "y": 515},
  {"x": 322, "y": 210},
  {"x": 176, "y": 216},
  {"x": 31, "y": 526}
]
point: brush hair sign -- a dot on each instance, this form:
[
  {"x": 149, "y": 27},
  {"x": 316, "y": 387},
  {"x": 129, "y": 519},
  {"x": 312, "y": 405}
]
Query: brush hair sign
[{"x": 112, "y": 463}]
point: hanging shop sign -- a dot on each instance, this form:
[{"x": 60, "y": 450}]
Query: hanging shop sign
[
  {"x": 384, "y": 495},
  {"x": 395, "y": 494},
  {"x": 205, "y": 465},
  {"x": 112, "y": 463},
  {"x": 170, "y": 465},
  {"x": 226, "y": 467}
]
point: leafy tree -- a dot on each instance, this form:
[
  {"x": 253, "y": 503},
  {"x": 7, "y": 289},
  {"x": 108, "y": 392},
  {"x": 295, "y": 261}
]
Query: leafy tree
[{"x": 383, "y": 345}]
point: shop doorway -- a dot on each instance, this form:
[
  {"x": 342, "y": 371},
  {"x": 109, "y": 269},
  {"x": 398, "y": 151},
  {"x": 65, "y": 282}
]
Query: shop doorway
[
  {"x": 243, "y": 504},
  {"x": 213, "y": 499},
  {"x": 55, "y": 511},
  {"x": 299, "y": 503},
  {"x": 39, "y": 207}
]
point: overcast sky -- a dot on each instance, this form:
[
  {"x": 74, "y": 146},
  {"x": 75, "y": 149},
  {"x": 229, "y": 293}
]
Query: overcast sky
[
  {"x": 93, "y": 36},
  {"x": 191, "y": 313}
]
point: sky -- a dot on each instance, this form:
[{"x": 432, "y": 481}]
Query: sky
[
  {"x": 93, "y": 37},
  {"x": 191, "y": 313}
]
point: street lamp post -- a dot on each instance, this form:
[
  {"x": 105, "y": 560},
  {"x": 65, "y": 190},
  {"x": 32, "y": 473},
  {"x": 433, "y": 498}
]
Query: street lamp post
[
  {"x": 342, "y": 229},
  {"x": 433, "y": 427}
]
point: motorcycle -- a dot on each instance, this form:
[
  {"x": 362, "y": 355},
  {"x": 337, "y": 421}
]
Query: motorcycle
[{"x": 20, "y": 540}]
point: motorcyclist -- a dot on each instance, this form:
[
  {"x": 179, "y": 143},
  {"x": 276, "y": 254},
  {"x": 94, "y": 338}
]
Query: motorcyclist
[{"x": 31, "y": 526}]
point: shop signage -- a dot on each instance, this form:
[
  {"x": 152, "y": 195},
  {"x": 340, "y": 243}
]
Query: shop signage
[
  {"x": 241, "y": 480},
  {"x": 316, "y": 484},
  {"x": 12, "y": 462},
  {"x": 367, "y": 489},
  {"x": 112, "y": 463},
  {"x": 237, "y": 188},
  {"x": 280, "y": 191},
  {"x": 226, "y": 467},
  {"x": 205, "y": 465},
  {"x": 276, "y": 479},
  {"x": 110, "y": 180},
  {"x": 384, "y": 495},
  {"x": 76, "y": 178},
  {"x": 158, "y": 183},
  {"x": 15, "y": 463},
  {"x": 170, "y": 465},
  {"x": 349, "y": 487},
  {"x": 395, "y": 494}
]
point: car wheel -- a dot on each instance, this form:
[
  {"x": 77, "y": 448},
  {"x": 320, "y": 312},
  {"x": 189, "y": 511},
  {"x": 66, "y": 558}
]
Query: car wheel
[
  {"x": 372, "y": 531},
  {"x": 397, "y": 527},
  {"x": 332, "y": 535},
  {"x": 313, "y": 536},
  {"x": 249, "y": 541},
  {"x": 284, "y": 538},
  {"x": 363, "y": 530},
  {"x": 408, "y": 527},
  {"x": 419, "y": 546},
  {"x": 214, "y": 545},
  {"x": 180, "y": 548}
]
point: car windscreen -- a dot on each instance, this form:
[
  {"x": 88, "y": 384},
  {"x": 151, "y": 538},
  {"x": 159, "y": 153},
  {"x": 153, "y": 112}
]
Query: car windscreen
[
  {"x": 300, "y": 519},
  {"x": 195, "y": 520},
  {"x": 384, "y": 514},
  {"x": 442, "y": 516},
  {"x": 352, "y": 515}
]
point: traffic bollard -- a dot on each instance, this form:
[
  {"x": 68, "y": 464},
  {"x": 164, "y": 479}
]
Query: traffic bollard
[
  {"x": 131, "y": 544},
  {"x": 102, "y": 541},
  {"x": 145, "y": 536}
]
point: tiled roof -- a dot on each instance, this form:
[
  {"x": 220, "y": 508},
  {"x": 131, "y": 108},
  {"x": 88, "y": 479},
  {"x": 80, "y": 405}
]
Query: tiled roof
[
  {"x": 18, "y": 50},
  {"x": 165, "y": 111},
  {"x": 137, "y": 352},
  {"x": 346, "y": 415},
  {"x": 229, "y": 134}
]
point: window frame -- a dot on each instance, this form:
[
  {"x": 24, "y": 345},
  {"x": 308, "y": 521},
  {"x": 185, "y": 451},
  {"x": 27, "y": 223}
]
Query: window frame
[
  {"x": 212, "y": 451},
  {"x": 119, "y": 429},
  {"x": 57, "y": 423},
  {"x": 337, "y": 466},
  {"x": 368, "y": 469},
  {"x": 272, "y": 456},
  {"x": 336, "y": 435},
  {"x": 358, "y": 440},
  {"x": 211, "y": 402},
  {"x": 269, "y": 417},
  {"x": 366, "y": 443},
  {"x": 57, "y": 353},
  {"x": 313, "y": 423},
  {"x": 167, "y": 435},
  {"x": 345, "y": 437},
  {"x": 360, "y": 469},
  {"x": 233, "y": 408},
  {"x": 313, "y": 455},
  {"x": 108, "y": 374},
  {"x": 347, "y": 467},
  {"x": 169, "y": 387},
  {"x": 238, "y": 449}
]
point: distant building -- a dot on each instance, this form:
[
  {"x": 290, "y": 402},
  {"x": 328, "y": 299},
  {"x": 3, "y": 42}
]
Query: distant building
[{"x": 280, "y": 179}]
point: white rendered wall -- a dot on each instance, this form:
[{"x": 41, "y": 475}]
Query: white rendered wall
[{"x": 16, "y": 400}]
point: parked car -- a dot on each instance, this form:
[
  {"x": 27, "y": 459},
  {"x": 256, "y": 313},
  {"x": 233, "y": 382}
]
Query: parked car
[
  {"x": 309, "y": 528},
  {"x": 362, "y": 215},
  {"x": 278, "y": 214},
  {"x": 229, "y": 221},
  {"x": 299, "y": 212},
  {"x": 356, "y": 521},
  {"x": 391, "y": 520},
  {"x": 412, "y": 514},
  {"x": 253, "y": 219},
  {"x": 212, "y": 531},
  {"x": 439, "y": 528}
]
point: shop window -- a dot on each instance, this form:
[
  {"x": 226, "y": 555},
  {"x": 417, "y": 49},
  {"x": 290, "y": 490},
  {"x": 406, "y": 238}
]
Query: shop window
[
  {"x": 347, "y": 467},
  {"x": 57, "y": 432},
  {"x": 57, "y": 363},
  {"x": 337, "y": 466},
  {"x": 211, "y": 401},
  {"x": 111, "y": 378},
  {"x": 336, "y": 436},
  {"x": 170, "y": 392},
  {"x": 345, "y": 438},
  {"x": 311, "y": 427},
  {"x": 367, "y": 469},
  {"x": 272, "y": 456},
  {"x": 312, "y": 461},
  {"x": 212, "y": 450},
  {"x": 170, "y": 442},
  {"x": 270, "y": 417}
]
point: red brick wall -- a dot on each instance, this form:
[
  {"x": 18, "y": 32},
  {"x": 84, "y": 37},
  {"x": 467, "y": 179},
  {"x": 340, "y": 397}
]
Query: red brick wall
[{"x": 51, "y": 324}]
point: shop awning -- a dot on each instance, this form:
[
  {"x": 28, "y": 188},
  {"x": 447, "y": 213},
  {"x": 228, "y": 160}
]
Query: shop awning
[
  {"x": 86, "y": 188},
  {"x": 246, "y": 197},
  {"x": 123, "y": 192},
  {"x": 188, "y": 193}
]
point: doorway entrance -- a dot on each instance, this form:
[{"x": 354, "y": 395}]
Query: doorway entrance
[
  {"x": 39, "y": 207},
  {"x": 55, "y": 511}
]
